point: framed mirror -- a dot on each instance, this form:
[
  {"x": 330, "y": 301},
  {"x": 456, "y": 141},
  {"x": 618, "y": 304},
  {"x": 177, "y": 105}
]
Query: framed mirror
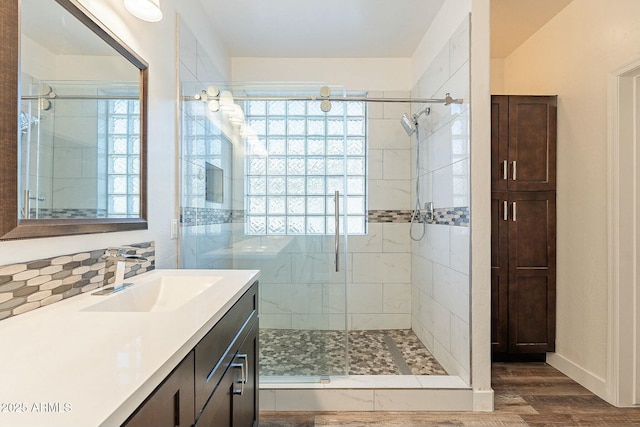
[{"x": 73, "y": 124}]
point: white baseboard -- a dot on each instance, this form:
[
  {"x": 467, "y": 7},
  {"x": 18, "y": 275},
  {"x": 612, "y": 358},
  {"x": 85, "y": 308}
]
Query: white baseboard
[
  {"x": 483, "y": 401},
  {"x": 588, "y": 380}
]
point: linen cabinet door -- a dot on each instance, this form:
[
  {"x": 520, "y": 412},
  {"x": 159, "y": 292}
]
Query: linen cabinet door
[
  {"x": 499, "y": 142},
  {"x": 532, "y": 143},
  {"x": 499, "y": 272},
  {"x": 532, "y": 272}
]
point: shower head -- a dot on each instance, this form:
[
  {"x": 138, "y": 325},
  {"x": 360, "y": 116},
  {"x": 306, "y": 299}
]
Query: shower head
[{"x": 408, "y": 125}]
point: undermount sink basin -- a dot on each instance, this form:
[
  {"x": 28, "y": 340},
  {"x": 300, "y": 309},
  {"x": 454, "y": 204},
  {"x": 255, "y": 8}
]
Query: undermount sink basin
[{"x": 166, "y": 293}]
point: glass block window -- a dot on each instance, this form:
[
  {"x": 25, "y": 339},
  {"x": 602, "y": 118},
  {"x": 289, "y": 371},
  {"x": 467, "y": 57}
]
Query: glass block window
[
  {"x": 297, "y": 157},
  {"x": 123, "y": 158}
]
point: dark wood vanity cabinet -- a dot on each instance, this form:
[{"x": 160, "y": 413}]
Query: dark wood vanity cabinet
[
  {"x": 216, "y": 385},
  {"x": 226, "y": 376},
  {"x": 172, "y": 403},
  {"x": 523, "y": 226}
]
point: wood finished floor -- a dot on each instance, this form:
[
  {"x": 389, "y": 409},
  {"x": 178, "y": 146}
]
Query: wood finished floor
[{"x": 526, "y": 394}]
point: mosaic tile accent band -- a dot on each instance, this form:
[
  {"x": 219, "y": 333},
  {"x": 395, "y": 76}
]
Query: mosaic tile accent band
[
  {"x": 205, "y": 216},
  {"x": 457, "y": 216},
  {"x": 30, "y": 285},
  {"x": 45, "y": 213}
]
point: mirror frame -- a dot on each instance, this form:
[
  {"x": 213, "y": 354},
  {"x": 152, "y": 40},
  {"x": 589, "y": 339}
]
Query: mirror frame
[{"x": 11, "y": 227}]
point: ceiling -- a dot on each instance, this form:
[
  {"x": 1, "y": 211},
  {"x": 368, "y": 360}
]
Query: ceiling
[
  {"x": 358, "y": 28},
  {"x": 321, "y": 28},
  {"x": 514, "y": 21}
]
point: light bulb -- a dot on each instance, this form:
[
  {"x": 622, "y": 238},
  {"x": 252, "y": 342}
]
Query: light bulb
[{"x": 147, "y": 10}]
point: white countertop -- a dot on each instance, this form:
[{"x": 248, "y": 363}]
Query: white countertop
[{"x": 65, "y": 367}]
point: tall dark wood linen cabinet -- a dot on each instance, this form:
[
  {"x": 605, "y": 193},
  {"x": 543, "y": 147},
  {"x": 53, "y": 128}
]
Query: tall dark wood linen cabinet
[{"x": 523, "y": 226}]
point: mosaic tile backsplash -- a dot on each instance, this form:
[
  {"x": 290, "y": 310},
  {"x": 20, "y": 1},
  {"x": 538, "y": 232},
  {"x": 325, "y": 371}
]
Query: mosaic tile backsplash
[{"x": 30, "y": 285}]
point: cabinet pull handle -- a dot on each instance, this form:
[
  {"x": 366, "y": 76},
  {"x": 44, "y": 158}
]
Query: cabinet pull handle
[
  {"x": 505, "y": 211},
  {"x": 245, "y": 371},
  {"x": 240, "y": 390},
  {"x": 514, "y": 170},
  {"x": 513, "y": 205},
  {"x": 504, "y": 170},
  {"x": 176, "y": 409}
]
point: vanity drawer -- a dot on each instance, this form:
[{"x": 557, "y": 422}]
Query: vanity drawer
[{"x": 216, "y": 350}]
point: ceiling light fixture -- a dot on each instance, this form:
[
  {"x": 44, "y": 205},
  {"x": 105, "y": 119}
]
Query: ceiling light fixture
[{"x": 147, "y": 10}]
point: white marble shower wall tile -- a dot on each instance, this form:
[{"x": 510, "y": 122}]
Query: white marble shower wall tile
[
  {"x": 395, "y": 237},
  {"x": 461, "y": 193},
  {"x": 436, "y": 75},
  {"x": 370, "y": 242},
  {"x": 387, "y": 134},
  {"x": 395, "y": 110},
  {"x": 460, "y": 349},
  {"x": 288, "y": 298},
  {"x": 375, "y": 159},
  {"x": 459, "y": 46},
  {"x": 317, "y": 268},
  {"x": 365, "y": 298},
  {"x": 380, "y": 321},
  {"x": 396, "y": 298},
  {"x": 459, "y": 245},
  {"x": 439, "y": 149},
  {"x": 275, "y": 321},
  {"x": 310, "y": 321},
  {"x": 451, "y": 290},
  {"x": 441, "y": 325},
  {"x": 333, "y": 298},
  {"x": 382, "y": 268},
  {"x": 422, "y": 273},
  {"x": 395, "y": 164},
  {"x": 449, "y": 363},
  {"x": 389, "y": 194},
  {"x": 435, "y": 245},
  {"x": 276, "y": 270},
  {"x": 443, "y": 187}
]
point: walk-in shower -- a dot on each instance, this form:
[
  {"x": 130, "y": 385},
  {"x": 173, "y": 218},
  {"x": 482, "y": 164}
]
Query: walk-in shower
[{"x": 300, "y": 190}]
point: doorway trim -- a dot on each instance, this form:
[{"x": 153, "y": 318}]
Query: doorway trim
[{"x": 623, "y": 220}]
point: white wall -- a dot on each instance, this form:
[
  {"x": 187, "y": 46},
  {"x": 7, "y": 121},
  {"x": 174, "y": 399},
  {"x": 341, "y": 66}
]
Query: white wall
[
  {"x": 156, "y": 43},
  {"x": 571, "y": 57}
]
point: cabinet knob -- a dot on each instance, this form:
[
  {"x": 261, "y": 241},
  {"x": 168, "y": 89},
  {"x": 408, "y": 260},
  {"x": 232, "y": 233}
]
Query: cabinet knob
[
  {"x": 505, "y": 170},
  {"x": 515, "y": 165}
]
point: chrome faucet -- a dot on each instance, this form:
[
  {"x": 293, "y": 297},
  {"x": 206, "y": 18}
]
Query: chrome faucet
[{"x": 120, "y": 257}]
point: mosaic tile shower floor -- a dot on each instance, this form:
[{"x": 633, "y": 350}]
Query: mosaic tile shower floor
[{"x": 311, "y": 352}]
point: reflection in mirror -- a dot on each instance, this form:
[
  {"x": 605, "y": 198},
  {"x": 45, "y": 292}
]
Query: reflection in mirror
[
  {"x": 79, "y": 121},
  {"x": 74, "y": 148}
]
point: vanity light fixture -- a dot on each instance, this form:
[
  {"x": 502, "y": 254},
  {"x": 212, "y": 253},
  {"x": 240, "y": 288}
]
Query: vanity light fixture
[{"x": 147, "y": 10}]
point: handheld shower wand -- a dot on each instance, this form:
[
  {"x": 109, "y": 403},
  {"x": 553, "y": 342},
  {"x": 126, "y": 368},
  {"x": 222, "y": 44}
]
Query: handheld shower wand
[{"x": 410, "y": 126}]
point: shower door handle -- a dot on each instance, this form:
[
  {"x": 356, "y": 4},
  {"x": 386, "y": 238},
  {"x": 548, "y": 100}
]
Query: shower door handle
[{"x": 337, "y": 219}]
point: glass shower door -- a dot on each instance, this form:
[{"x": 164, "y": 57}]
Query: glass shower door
[{"x": 296, "y": 159}]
